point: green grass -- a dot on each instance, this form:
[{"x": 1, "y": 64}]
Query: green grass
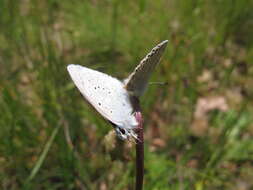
[{"x": 41, "y": 109}]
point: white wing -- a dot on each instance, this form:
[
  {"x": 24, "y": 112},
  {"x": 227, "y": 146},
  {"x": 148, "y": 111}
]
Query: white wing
[
  {"x": 106, "y": 94},
  {"x": 137, "y": 82}
]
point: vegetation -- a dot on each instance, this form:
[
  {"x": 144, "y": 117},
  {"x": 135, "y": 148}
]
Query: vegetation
[{"x": 198, "y": 128}]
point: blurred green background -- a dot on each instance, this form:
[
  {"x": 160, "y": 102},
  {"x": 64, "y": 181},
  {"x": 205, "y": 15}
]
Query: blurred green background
[{"x": 198, "y": 128}]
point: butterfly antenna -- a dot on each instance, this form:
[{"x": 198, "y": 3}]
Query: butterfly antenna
[{"x": 159, "y": 83}]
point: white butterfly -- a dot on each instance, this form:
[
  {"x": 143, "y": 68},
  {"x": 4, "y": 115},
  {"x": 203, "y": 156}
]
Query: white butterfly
[{"x": 111, "y": 97}]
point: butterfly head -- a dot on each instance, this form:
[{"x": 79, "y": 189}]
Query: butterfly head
[{"x": 125, "y": 134}]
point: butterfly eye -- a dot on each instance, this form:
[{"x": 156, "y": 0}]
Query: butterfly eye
[{"x": 122, "y": 131}]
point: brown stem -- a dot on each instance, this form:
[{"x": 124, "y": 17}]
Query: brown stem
[
  {"x": 139, "y": 144},
  {"x": 139, "y": 153}
]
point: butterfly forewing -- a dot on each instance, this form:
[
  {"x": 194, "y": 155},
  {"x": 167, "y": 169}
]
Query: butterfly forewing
[
  {"x": 105, "y": 93},
  {"x": 137, "y": 82}
]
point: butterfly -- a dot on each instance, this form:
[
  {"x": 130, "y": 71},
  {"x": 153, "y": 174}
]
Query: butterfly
[{"x": 112, "y": 97}]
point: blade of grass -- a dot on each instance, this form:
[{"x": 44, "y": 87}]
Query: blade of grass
[{"x": 43, "y": 155}]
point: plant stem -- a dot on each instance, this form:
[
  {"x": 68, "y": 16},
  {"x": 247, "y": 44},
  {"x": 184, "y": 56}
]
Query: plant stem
[
  {"x": 139, "y": 153},
  {"x": 139, "y": 144}
]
